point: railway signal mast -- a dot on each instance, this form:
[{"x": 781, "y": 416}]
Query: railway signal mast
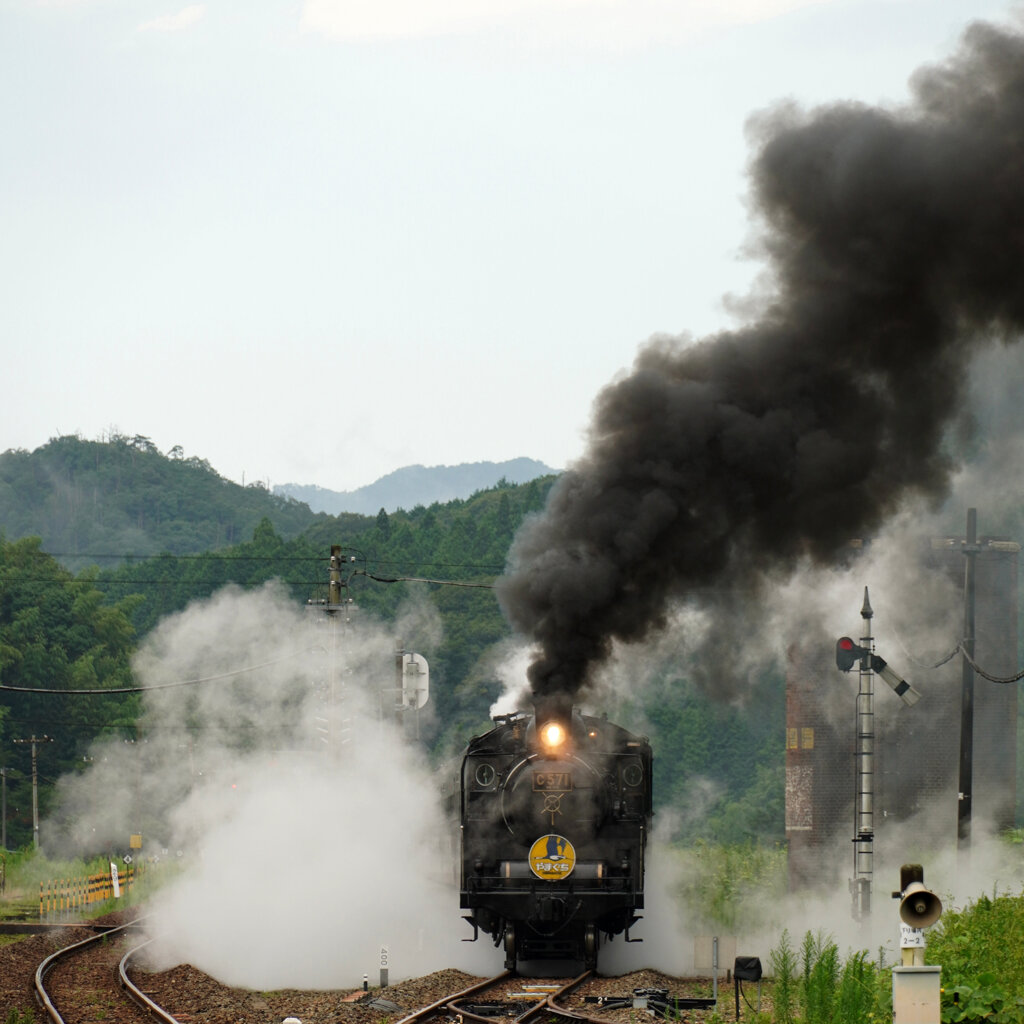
[{"x": 848, "y": 654}]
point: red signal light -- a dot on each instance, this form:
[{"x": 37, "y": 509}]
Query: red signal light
[{"x": 848, "y": 653}]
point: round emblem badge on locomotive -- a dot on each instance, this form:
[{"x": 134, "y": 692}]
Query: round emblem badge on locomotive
[{"x": 552, "y": 857}]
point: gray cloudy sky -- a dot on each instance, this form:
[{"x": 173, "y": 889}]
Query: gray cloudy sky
[{"x": 317, "y": 240}]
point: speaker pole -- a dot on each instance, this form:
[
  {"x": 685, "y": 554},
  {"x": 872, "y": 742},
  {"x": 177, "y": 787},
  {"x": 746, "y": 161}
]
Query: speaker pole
[{"x": 916, "y": 986}]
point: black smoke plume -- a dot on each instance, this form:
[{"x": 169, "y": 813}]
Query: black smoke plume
[{"x": 895, "y": 244}]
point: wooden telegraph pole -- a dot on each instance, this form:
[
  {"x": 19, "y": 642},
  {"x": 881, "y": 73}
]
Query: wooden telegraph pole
[
  {"x": 35, "y": 785},
  {"x": 971, "y": 549}
]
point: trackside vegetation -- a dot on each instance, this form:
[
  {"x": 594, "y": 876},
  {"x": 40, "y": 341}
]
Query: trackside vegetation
[{"x": 979, "y": 948}]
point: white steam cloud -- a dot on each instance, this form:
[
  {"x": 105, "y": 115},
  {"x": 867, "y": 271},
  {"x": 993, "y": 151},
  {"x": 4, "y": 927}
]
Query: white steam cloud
[{"x": 307, "y": 829}]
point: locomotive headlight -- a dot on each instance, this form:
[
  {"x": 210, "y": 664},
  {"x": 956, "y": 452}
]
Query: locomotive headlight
[{"x": 553, "y": 735}]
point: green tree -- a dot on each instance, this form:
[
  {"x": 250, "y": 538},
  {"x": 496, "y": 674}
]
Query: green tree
[{"x": 57, "y": 632}]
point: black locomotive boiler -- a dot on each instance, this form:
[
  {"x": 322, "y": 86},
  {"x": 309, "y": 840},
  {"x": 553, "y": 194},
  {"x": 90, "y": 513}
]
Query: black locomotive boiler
[{"x": 555, "y": 811}]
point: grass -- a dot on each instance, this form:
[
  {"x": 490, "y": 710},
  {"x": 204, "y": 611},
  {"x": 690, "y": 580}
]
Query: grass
[
  {"x": 981, "y": 950},
  {"x": 722, "y": 883},
  {"x": 25, "y": 869},
  {"x": 815, "y": 985}
]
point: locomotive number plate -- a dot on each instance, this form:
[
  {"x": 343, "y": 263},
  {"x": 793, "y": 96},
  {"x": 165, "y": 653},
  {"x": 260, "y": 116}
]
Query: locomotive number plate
[{"x": 552, "y": 782}]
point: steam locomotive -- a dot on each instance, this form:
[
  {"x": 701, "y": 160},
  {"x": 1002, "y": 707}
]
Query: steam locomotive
[{"x": 555, "y": 811}]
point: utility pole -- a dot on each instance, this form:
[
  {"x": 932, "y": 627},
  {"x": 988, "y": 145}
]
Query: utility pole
[
  {"x": 3, "y": 809},
  {"x": 963, "y": 832},
  {"x": 332, "y": 726},
  {"x": 35, "y": 785}
]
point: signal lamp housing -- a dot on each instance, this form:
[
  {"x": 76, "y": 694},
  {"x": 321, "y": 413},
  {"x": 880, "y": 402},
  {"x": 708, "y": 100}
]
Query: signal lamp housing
[{"x": 848, "y": 653}]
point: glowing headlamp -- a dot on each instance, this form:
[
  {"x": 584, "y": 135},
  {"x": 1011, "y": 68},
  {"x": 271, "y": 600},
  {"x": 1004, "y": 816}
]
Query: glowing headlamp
[{"x": 553, "y": 734}]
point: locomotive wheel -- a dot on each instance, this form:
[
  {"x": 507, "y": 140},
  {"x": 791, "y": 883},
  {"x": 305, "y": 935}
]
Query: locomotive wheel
[
  {"x": 590, "y": 944},
  {"x": 510, "y": 947}
]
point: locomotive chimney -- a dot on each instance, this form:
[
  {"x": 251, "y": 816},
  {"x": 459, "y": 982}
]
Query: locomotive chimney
[{"x": 553, "y": 706}]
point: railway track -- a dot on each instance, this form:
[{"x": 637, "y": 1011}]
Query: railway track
[
  {"x": 471, "y": 1004},
  {"x": 547, "y": 1001},
  {"x": 88, "y": 980},
  {"x": 96, "y": 981}
]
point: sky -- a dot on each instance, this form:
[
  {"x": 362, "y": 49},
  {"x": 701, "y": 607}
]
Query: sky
[{"x": 319, "y": 240}]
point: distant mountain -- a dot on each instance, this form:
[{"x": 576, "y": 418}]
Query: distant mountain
[{"x": 416, "y": 485}]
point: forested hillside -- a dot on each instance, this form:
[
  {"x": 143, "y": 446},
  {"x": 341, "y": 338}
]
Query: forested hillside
[
  {"x": 460, "y": 541},
  {"x": 57, "y": 631},
  {"x": 723, "y": 765},
  {"x": 91, "y": 498}
]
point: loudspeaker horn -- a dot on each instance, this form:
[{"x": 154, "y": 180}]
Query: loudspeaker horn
[{"x": 919, "y": 906}]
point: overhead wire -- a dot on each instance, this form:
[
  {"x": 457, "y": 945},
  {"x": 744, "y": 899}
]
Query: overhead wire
[
  {"x": 985, "y": 675},
  {"x": 960, "y": 648},
  {"x": 421, "y": 579},
  {"x": 920, "y": 664},
  {"x": 162, "y": 686},
  {"x": 132, "y": 581},
  {"x": 166, "y": 556}
]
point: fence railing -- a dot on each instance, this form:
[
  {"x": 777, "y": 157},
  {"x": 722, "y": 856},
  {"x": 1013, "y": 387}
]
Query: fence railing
[{"x": 62, "y": 897}]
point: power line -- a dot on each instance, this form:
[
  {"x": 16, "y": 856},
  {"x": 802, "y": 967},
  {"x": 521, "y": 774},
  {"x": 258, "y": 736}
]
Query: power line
[
  {"x": 420, "y": 579},
  {"x": 162, "y": 686},
  {"x": 961, "y": 648},
  {"x": 165, "y": 555},
  {"x": 985, "y": 675},
  {"x": 151, "y": 583}
]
